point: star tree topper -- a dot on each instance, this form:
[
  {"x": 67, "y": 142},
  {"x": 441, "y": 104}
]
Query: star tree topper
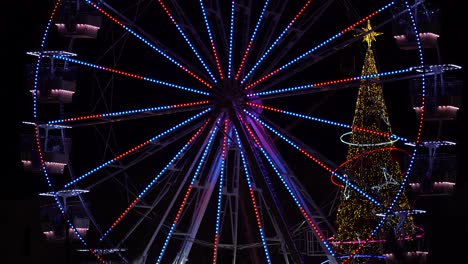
[{"x": 370, "y": 35}]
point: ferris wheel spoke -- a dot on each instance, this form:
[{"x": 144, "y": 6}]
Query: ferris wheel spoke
[
  {"x": 187, "y": 40},
  {"x": 118, "y": 157},
  {"x": 120, "y": 116},
  {"x": 164, "y": 191},
  {"x": 264, "y": 147},
  {"x": 277, "y": 40},
  {"x": 131, "y": 75},
  {"x": 193, "y": 33},
  {"x": 318, "y": 161},
  {"x": 205, "y": 190},
  {"x": 333, "y": 85},
  {"x": 295, "y": 195},
  {"x": 328, "y": 122},
  {"x": 251, "y": 186},
  {"x": 147, "y": 42},
  {"x": 251, "y": 40},
  {"x": 220, "y": 191},
  {"x": 231, "y": 39},
  {"x": 213, "y": 132},
  {"x": 310, "y": 51},
  {"x": 212, "y": 42},
  {"x": 155, "y": 179},
  {"x": 333, "y": 49},
  {"x": 297, "y": 29},
  {"x": 156, "y": 147}
]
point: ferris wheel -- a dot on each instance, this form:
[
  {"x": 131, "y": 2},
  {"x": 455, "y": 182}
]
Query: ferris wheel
[{"x": 215, "y": 131}]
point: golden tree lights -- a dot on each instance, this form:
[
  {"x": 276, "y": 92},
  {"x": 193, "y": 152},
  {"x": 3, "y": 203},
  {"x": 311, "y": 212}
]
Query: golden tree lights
[{"x": 373, "y": 169}]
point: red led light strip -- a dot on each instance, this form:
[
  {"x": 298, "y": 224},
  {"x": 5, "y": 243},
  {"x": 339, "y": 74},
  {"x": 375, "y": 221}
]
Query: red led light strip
[
  {"x": 137, "y": 199},
  {"x": 81, "y": 118},
  {"x": 123, "y": 26},
  {"x": 304, "y": 213},
  {"x": 341, "y": 32}
]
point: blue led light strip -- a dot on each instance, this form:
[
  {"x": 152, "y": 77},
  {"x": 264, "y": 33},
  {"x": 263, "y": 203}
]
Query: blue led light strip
[
  {"x": 148, "y": 43},
  {"x": 391, "y": 136},
  {"x": 187, "y": 40},
  {"x": 285, "y": 30},
  {"x": 213, "y": 47},
  {"x": 329, "y": 83},
  {"x": 307, "y": 217},
  {"x": 155, "y": 179},
  {"x": 194, "y": 177},
  {"x": 127, "y": 112},
  {"x": 293, "y": 196},
  {"x": 290, "y": 142},
  {"x": 252, "y": 197},
  {"x": 252, "y": 38},
  {"x": 231, "y": 35},
  {"x": 135, "y": 148},
  {"x": 39, "y": 58},
  {"x": 129, "y": 74},
  {"x": 220, "y": 191},
  {"x": 274, "y": 72}
]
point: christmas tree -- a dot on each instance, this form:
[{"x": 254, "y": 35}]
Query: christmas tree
[{"x": 371, "y": 166}]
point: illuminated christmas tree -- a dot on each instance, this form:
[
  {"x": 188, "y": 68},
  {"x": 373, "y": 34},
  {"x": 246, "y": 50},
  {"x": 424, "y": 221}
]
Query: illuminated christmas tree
[{"x": 372, "y": 166}]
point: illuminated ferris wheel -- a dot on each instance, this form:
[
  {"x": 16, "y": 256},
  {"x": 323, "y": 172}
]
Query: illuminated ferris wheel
[{"x": 212, "y": 131}]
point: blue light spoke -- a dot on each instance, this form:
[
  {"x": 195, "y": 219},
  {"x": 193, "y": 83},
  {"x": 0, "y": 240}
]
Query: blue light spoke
[
  {"x": 231, "y": 36},
  {"x": 328, "y": 40},
  {"x": 162, "y": 53},
  {"x": 328, "y": 122},
  {"x": 328, "y": 83},
  {"x": 285, "y": 30},
  {"x": 250, "y": 184},
  {"x": 187, "y": 40},
  {"x": 194, "y": 177},
  {"x": 294, "y": 145},
  {"x": 130, "y": 75},
  {"x": 155, "y": 179},
  {"x": 252, "y": 38},
  {"x": 94, "y": 170},
  {"x": 213, "y": 47}
]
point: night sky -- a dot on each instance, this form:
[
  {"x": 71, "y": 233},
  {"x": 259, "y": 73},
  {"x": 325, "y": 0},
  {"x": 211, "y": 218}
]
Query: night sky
[{"x": 18, "y": 191}]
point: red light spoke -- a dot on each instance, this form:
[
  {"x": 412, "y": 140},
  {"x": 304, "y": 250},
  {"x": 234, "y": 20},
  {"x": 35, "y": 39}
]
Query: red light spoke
[
  {"x": 262, "y": 79},
  {"x": 106, "y": 14},
  {"x": 88, "y": 117},
  {"x": 254, "y": 204},
  {"x": 312, "y": 224},
  {"x": 335, "y": 82},
  {"x": 304, "y": 213},
  {"x": 159, "y": 51},
  {"x": 122, "y": 215},
  {"x": 196, "y": 77},
  {"x": 359, "y": 22},
  {"x": 321, "y": 164},
  {"x": 134, "y": 202},
  {"x": 265, "y": 107},
  {"x": 370, "y": 131},
  {"x": 182, "y": 205},
  {"x": 167, "y": 12},
  {"x": 218, "y": 65},
  {"x": 95, "y": 254},
  {"x": 244, "y": 57},
  {"x": 268, "y": 75},
  {"x": 215, "y": 251}
]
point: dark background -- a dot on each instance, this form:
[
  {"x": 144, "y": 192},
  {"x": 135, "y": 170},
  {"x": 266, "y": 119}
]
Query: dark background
[{"x": 21, "y": 241}]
